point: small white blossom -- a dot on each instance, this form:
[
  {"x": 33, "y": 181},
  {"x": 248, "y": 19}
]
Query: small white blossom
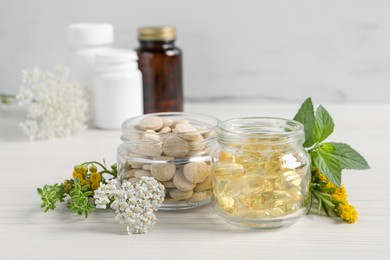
[
  {"x": 34, "y": 111},
  {"x": 121, "y": 218},
  {"x": 25, "y": 96},
  {"x": 30, "y": 76},
  {"x": 58, "y": 107},
  {"x": 30, "y": 128},
  {"x": 101, "y": 199},
  {"x": 63, "y": 71},
  {"x": 120, "y": 194},
  {"x": 133, "y": 205}
]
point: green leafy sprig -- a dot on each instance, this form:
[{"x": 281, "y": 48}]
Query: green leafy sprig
[
  {"x": 330, "y": 158},
  {"x": 50, "y": 195},
  {"x": 77, "y": 192},
  {"x": 80, "y": 201},
  {"x": 327, "y": 158}
]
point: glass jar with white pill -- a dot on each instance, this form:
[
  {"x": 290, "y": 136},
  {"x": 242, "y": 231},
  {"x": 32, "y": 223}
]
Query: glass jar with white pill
[{"x": 174, "y": 148}]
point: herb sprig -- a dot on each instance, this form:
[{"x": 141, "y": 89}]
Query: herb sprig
[
  {"x": 77, "y": 191},
  {"x": 328, "y": 160}
]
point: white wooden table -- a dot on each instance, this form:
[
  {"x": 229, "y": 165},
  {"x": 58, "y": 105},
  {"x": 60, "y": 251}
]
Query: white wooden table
[{"x": 27, "y": 233}]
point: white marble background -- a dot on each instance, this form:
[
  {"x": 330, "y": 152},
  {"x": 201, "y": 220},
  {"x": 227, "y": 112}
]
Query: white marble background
[{"x": 256, "y": 51}]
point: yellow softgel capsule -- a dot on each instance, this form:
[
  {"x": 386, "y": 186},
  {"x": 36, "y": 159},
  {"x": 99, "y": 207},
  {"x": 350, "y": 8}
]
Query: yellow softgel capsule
[
  {"x": 274, "y": 199},
  {"x": 226, "y": 157},
  {"x": 292, "y": 206},
  {"x": 275, "y": 212},
  {"x": 247, "y": 160},
  {"x": 295, "y": 193},
  {"x": 288, "y": 180},
  {"x": 253, "y": 184},
  {"x": 292, "y": 178},
  {"x": 233, "y": 188},
  {"x": 253, "y": 202},
  {"x": 225, "y": 202},
  {"x": 226, "y": 171}
]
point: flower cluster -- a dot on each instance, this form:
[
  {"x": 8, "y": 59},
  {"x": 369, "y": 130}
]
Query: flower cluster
[
  {"x": 77, "y": 191},
  {"x": 56, "y": 106},
  {"x": 91, "y": 179},
  {"x": 133, "y": 205},
  {"x": 329, "y": 196}
]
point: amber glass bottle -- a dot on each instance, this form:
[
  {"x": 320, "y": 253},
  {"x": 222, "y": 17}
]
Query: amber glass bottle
[{"x": 160, "y": 62}]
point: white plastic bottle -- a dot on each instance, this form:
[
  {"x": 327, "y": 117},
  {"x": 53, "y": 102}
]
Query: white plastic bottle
[
  {"x": 85, "y": 41},
  {"x": 117, "y": 88}
]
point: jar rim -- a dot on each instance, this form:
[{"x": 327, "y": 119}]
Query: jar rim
[
  {"x": 265, "y": 130},
  {"x": 201, "y": 119}
]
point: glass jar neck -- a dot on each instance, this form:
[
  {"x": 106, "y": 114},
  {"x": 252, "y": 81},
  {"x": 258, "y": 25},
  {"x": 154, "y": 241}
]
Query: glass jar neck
[
  {"x": 268, "y": 133},
  {"x": 157, "y": 45}
]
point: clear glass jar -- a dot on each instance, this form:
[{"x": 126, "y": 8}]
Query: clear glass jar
[
  {"x": 261, "y": 172},
  {"x": 174, "y": 148}
]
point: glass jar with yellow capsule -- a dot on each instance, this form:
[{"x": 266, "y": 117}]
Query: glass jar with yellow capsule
[{"x": 261, "y": 172}]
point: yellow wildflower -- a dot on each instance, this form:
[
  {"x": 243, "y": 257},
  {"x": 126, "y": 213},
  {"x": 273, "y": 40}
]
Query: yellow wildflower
[
  {"x": 322, "y": 177},
  {"x": 77, "y": 175},
  {"x": 85, "y": 182},
  {"x": 330, "y": 185},
  {"x": 95, "y": 177},
  {"x": 340, "y": 194},
  {"x": 76, "y": 168},
  {"x": 95, "y": 185},
  {"x": 83, "y": 169},
  {"x": 347, "y": 212},
  {"x": 93, "y": 168}
]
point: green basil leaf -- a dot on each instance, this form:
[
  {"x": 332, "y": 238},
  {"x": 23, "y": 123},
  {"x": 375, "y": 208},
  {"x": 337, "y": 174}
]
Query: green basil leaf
[
  {"x": 327, "y": 147},
  {"x": 323, "y": 125},
  {"x": 328, "y": 164},
  {"x": 305, "y": 115},
  {"x": 348, "y": 157}
]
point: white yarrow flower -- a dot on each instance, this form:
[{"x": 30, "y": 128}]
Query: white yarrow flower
[
  {"x": 133, "y": 205},
  {"x": 25, "y": 96},
  {"x": 29, "y": 128},
  {"x": 30, "y": 76},
  {"x": 58, "y": 107}
]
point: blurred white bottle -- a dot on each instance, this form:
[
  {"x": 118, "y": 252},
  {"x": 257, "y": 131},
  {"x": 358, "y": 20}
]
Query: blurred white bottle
[
  {"x": 117, "y": 88},
  {"x": 85, "y": 41}
]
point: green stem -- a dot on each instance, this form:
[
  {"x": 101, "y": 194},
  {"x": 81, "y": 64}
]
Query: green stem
[
  {"x": 312, "y": 148},
  {"x": 105, "y": 170},
  {"x": 95, "y": 162},
  {"x": 109, "y": 172},
  {"x": 311, "y": 203},
  {"x": 6, "y": 98},
  {"x": 319, "y": 202}
]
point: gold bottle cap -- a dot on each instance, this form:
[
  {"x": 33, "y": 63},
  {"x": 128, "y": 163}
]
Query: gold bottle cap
[{"x": 157, "y": 33}]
